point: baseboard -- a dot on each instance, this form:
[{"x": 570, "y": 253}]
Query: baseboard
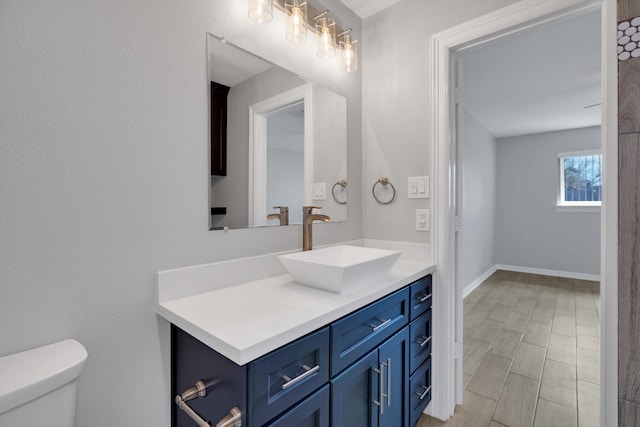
[
  {"x": 545, "y": 272},
  {"x": 471, "y": 286}
]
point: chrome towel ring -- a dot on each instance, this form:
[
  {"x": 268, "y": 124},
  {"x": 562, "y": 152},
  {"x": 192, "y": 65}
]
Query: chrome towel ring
[
  {"x": 342, "y": 183},
  {"x": 384, "y": 181}
]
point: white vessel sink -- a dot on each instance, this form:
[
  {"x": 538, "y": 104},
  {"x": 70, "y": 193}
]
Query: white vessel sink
[{"x": 337, "y": 267}]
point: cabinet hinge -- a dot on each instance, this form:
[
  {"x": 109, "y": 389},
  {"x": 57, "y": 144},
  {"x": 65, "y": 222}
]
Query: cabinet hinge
[
  {"x": 458, "y": 223},
  {"x": 458, "y": 95}
]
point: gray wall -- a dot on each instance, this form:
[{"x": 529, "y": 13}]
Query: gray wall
[
  {"x": 104, "y": 179},
  {"x": 530, "y": 231},
  {"x": 478, "y": 168},
  {"x": 396, "y": 104}
]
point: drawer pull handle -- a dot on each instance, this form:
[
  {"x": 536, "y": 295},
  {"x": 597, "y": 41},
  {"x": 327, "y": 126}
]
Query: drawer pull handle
[
  {"x": 309, "y": 371},
  {"x": 424, "y": 393},
  {"x": 384, "y": 323},
  {"x": 424, "y": 341},
  {"x": 423, "y": 297}
]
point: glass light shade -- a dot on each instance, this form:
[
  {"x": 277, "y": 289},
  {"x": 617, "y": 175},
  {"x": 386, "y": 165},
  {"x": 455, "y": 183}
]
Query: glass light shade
[
  {"x": 297, "y": 20},
  {"x": 326, "y": 32},
  {"x": 261, "y": 10},
  {"x": 349, "y": 53}
]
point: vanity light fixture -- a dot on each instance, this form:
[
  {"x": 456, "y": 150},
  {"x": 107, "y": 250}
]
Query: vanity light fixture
[
  {"x": 261, "y": 11},
  {"x": 326, "y": 32},
  {"x": 297, "y": 20},
  {"x": 348, "y": 51},
  {"x": 324, "y": 26}
]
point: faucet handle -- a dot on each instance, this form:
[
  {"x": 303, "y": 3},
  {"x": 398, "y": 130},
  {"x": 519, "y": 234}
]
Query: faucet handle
[
  {"x": 309, "y": 209},
  {"x": 283, "y": 209}
]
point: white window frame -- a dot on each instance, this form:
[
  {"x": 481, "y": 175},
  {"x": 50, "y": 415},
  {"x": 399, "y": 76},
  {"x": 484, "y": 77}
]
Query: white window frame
[{"x": 575, "y": 206}]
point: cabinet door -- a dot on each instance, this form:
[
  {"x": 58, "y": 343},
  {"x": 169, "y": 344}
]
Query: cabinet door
[
  {"x": 394, "y": 377},
  {"x": 311, "y": 412},
  {"x": 354, "y": 393}
]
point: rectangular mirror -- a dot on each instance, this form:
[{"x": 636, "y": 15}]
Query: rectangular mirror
[{"x": 278, "y": 142}]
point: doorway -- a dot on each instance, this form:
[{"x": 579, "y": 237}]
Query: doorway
[{"x": 448, "y": 299}]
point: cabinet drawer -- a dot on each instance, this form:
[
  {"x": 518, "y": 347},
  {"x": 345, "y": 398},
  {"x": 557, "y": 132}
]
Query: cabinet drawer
[
  {"x": 419, "y": 391},
  {"x": 360, "y": 332},
  {"x": 420, "y": 296},
  {"x": 420, "y": 333},
  {"x": 311, "y": 412},
  {"x": 283, "y": 377}
]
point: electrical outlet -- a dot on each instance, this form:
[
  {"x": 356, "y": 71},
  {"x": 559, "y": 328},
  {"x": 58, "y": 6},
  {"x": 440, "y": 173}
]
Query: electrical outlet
[{"x": 422, "y": 219}]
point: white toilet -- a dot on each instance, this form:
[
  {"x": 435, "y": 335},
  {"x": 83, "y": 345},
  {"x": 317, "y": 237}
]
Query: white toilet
[{"x": 38, "y": 387}]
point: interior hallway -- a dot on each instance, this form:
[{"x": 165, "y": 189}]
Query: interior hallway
[{"x": 531, "y": 354}]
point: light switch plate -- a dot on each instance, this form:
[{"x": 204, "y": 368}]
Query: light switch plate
[
  {"x": 422, "y": 219},
  {"x": 418, "y": 187},
  {"x": 320, "y": 191}
]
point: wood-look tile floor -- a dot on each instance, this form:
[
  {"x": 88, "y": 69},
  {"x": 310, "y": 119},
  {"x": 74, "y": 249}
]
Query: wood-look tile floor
[{"x": 531, "y": 350}]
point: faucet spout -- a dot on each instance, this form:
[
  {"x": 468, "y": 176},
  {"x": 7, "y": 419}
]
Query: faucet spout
[
  {"x": 308, "y": 218},
  {"x": 283, "y": 216}
]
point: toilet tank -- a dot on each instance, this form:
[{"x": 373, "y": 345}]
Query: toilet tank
[{"x": 38, "y": 386}]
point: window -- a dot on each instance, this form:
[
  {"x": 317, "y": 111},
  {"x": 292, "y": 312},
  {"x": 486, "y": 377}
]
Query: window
[{"x": 580, "y": 178}]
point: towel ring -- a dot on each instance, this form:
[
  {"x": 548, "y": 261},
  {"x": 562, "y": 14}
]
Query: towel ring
[
  {"x": 342, "y": 183},
  {"x": 384, "y": 181}
]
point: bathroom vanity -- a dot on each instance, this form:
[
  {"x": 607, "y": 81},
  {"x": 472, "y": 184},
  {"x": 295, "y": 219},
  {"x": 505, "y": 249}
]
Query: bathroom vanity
[{"x": 291, "y": 355}]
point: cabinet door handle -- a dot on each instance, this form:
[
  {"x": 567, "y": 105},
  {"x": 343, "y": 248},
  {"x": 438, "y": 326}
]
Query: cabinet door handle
[
  {"x": 424, "y": 393},
  {"x": 424, "y": 341},
  {"x": 388, "y": 381},
  {"x": 384, "y": 323},
  {"x": 290, "y": 382},
  {"x": 423, "y": 297}
]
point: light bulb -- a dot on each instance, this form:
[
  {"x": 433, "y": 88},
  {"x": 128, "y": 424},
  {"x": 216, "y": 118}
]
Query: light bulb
[
  {"x": 261, "y": 10},
  {"x": 297, "y": 31}
]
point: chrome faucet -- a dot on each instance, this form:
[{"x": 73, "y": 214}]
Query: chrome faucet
[
  {"x": 307, "y": 219},
  {"x": 283, "y": 216}
]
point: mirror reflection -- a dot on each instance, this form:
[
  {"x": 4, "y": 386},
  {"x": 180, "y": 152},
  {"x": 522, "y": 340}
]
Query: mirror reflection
[{"x": 278, "y": 142}]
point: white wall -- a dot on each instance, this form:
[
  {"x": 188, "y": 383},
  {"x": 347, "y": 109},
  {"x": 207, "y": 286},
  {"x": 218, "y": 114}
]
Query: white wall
[
  {"x": 396, "y": 102},
  {"x": 104, "y": 179},
  {"x": 530, "y": 231},
  {"x": 478, "y": 168}
]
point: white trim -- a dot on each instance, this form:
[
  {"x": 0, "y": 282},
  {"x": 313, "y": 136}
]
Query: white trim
[
  {"x": 583, "y": 208},
  {"x": 609, "y": 220},
  {"x": 513, "y": 18},
  {"x": 258, "y": 114},
  {"x": 580, "y": 153},
  {"x": 546, "y": 272},
  {"x": 473, "y": 285}
]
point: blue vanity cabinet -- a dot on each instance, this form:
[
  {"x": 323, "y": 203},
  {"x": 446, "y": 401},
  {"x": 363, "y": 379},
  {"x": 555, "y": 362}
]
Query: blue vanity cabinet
[{"x": 371, "y": 368}]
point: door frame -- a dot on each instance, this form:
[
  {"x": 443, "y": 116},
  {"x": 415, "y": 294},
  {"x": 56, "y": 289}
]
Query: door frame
[
  {"x": 511, "y": 19},
  {"x": 258, "y": 114}
]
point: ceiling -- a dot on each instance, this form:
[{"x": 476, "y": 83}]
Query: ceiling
[
  {"x": 538, "y": 80},
  {"x": 366, "y": 8},
  {"x": 230, "y": 65}
]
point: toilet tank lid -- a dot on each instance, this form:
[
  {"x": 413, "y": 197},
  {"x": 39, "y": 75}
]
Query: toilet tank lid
[{"x": 33, "y": 373}]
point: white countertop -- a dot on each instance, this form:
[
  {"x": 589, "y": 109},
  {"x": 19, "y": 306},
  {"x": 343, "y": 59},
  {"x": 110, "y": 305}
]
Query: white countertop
[{"x": 248, "y": 319}]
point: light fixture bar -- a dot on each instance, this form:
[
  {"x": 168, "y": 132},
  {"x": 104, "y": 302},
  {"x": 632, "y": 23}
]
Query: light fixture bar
[{"x": 311, "y": 11}]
